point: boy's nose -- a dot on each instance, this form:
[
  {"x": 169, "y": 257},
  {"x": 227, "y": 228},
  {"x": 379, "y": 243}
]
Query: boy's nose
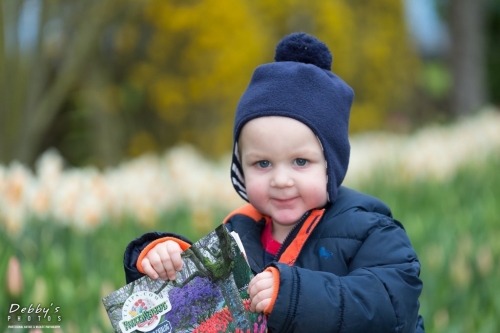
[{"x": 281, "y": 178}]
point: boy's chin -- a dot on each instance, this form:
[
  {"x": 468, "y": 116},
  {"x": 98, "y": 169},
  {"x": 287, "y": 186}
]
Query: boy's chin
[{"x": 287, "y": 218}]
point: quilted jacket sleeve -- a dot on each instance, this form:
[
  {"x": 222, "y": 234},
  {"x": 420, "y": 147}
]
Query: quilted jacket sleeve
[
  {"x": 379, "y": 294},
  {"x": 134, "y": 249}
]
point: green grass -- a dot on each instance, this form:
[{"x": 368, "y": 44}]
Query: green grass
[{"x": 454, "y": 227}]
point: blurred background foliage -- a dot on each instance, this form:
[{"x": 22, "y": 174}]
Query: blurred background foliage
[{"x": 104, "y": 81}]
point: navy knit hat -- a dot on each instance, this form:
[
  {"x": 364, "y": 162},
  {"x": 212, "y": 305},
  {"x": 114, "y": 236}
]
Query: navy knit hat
[{"x": 300, "y": 85}]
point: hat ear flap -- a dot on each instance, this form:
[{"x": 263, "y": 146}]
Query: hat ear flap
[{"x": 237, "y": 177}]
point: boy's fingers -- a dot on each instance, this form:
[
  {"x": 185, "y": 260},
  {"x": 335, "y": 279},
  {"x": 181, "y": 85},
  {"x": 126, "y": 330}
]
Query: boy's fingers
[
  {"x": 148, "y": 269},
  {"x": 169, "y": 268},
  {"x": 157, "y": 263},
  {"x": 166, "y": 263},
  {"x": 262, "y": 305},
  {"x": 163, "y": 261},
  {"x": 261, "y": 300},
  {"x": 253, "y": 282},
  {"x": 260, "y": 282},
  {"x": 174, "y": 251},
  {"x": 260, "y": 290}
]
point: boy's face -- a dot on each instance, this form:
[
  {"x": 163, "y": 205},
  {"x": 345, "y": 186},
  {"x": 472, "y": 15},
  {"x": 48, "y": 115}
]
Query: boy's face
[{"x": 284, "y": 168}]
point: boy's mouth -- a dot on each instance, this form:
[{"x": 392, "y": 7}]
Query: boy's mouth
[{"x": 284, "y": 201}]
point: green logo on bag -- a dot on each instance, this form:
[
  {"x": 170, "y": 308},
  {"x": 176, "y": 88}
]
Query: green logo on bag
[{"x": 142, "y": 311}]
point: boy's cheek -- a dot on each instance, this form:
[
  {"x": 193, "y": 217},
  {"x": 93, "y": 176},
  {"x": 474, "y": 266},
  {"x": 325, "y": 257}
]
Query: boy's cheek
[{"x": 256, "y": 194}]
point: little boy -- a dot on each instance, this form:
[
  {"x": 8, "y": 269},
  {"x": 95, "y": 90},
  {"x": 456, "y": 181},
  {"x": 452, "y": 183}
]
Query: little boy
[{"x": 326, "y": 258}]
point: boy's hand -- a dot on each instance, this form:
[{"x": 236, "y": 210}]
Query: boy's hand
[
  {"x": 163, "y": 261},
  {"x": 260, "y": 290}
]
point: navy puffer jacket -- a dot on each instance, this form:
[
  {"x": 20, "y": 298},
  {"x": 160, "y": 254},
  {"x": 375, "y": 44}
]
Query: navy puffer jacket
[{"x": 356, "y": 271}]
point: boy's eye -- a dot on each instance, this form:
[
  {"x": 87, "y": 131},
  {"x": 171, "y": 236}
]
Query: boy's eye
[
  {"x": 300, "y": 161},
  {"x": 263, "y": 164}
]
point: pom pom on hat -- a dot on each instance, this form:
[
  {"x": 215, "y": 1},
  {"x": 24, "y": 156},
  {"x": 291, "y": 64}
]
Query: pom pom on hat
[{"x": 301, "y": 47}]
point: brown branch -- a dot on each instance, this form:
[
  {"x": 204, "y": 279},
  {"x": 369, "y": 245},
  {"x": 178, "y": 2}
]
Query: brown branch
[{"x": 77, "y": 53}]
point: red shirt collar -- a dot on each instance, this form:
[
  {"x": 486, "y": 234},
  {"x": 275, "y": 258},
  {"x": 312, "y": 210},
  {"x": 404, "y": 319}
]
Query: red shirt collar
[{"x": 269, "y": 244}]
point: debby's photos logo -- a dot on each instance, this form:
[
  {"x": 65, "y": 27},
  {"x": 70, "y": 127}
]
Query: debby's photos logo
[
  {"x": 33, "y": 314},
  {"x": 26, "y": 315}
]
